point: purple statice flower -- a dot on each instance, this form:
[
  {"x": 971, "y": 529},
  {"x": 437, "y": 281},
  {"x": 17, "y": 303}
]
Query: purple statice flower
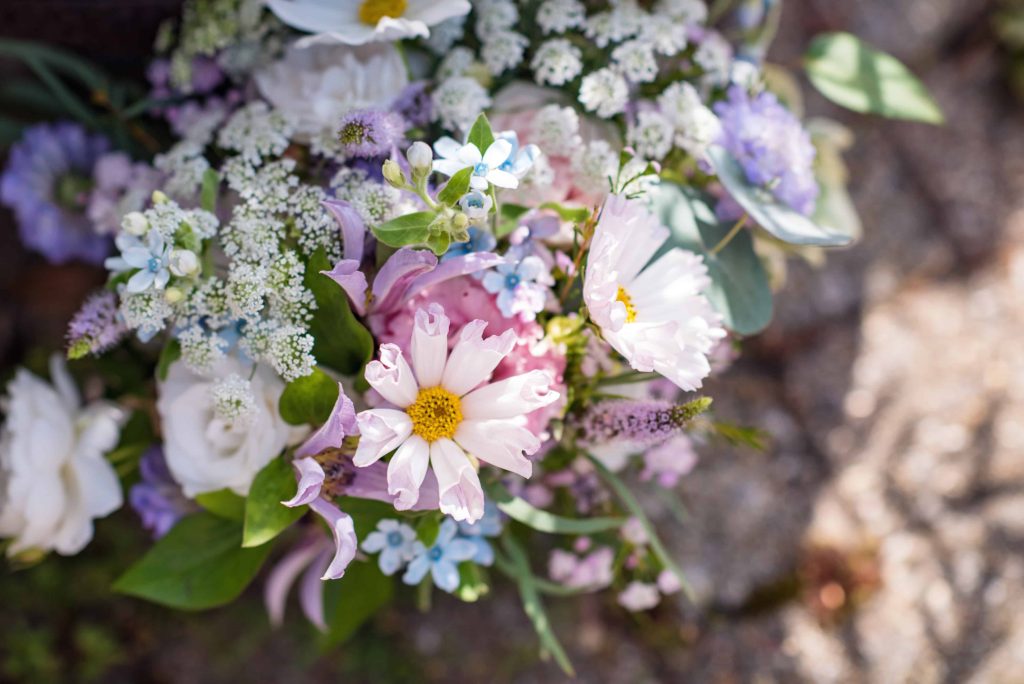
[
  {"x": 96, "y": 327},
  {"x": 635, "y": 421},
  {"x": 772, "y": 147},
  {"x": 47, "y": 183},
  {"x": 371, "y": 133},
  {"x": 521, "y": 285},
  {"x": 414, "y": 104},
  {"x": 157, "y": 498}
]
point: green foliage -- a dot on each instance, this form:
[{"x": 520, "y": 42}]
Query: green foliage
[
  {"x": 481, "y": 134},
  {"x": 542, "y": 521},
  {"x": 767, "y": 211},
  {"x": 199, "y": 564},
  {"x": 223, "y": 503},
  {"x": 341, "y": 342},
  {"x": 208, "y": 193},
  {"x": 265, "y": 515},
  {"x": 410, "y": 229},
  {"x": 739, "y": 290},
  {"x": 456, "y": 187},
  {"x": 353, "y": 599},
  {"x": 168, "y": 355},
  {"x": 428, "y": 528},
  {"x": 308, "y": 399},
  {"x": 473, "y": 583},
  {"x": 366, "y": 513},
  {"x": 856, "y": 76}
]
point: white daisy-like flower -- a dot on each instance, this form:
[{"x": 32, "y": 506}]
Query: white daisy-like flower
[
  {"x": 651, "y": 135},
  {"x": 558, "y": 16},
  {"x": 458, "y": 101},
  {"x": 604, "y": 92},
  {"x": 503, "y": 51},
  {"x": 486, "y": 166},
  {"x": 557, "y": 62},
  {"x": 446, "y": 416},
  {"x": 635, "y": 58},
  {"x": 656, "y": 317},
  {"x": 355, "y": 22}
]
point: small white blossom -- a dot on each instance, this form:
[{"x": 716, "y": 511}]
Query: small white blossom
[
  {"x": 494, "y": 17},
  {"x": 145, "y": 312},
  {"x": 714, "y": 55},
  {"x": 635, "y": 58},
  {"x": 556, "y": 62},
  {"x": 687, "y": 12},
  {"x": 444, "y": 35},
  {"x": 503, "y": 51},
  {"x": 666, "y": 37},
  {"x": 135, "y": 223},
  {"x": 556, "y": 130},
  {"x": 613, "y": 26},
  {"x": 604, "y": 92},
  {"x": 593, "y": 166},
  {"x": 651, "y": 135},
  {"x": 255, "y": 131},
  {"x": 457, "y": 62},
  {"x": 558, "y": 16},
  {"x": 458, "y": 101},
  {"x": 695, "y": 125},
  {"x": 200, "y": 350},
  {"x": 184, "y": 166},
  {"x": 232, "y": 398}
]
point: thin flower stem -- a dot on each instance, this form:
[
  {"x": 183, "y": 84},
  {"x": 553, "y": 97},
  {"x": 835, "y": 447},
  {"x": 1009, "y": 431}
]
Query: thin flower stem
[{"x": 733, "y": 232}]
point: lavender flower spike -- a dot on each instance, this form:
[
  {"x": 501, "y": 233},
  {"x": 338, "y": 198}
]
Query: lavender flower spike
[{"x": 96, "y": 327}]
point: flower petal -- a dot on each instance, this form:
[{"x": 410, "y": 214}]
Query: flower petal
[
  {"x": 353, "y": 230},
  {"x": 340, "y": 424},
  {"x": 381, "y": 431},
  {"x": 353, "y": 281},
  {"x": 392, "y": 377},
  {"x": 445, "y": 575},
  {"x": 311, "y": 480},
  {"x": 282, "y": 577},
  {"x": 452, "y": 268},
  {"x": 473, "y": 358},
  {"x": 311, "y": 591},
  {"x": 345, "y": 542},
  {"x": 429, "y": 345},
  {"x": 510, "y": 397},
  {"x": 497, "y": 153},
  {"x": 406, "y": 471},
  {"x": 461, "y": 495},
  {"x": 502, "y": 179},
  {"x": 500, "y": 443},
  {"x": 392, "y": 281}
]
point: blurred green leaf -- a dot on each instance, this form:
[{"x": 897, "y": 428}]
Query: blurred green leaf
[
  {"x": 542, "y": 521},
  {"x": 265, "y": 515},
  {"x": 223, "y": 503},
  {"x": 168, "y": 355},
  {"x": 341, "y": 342},
  {"x": 309, "y": 399},
  {"x": 410, "y": 229},
  {"x": 353, "y": 599}
]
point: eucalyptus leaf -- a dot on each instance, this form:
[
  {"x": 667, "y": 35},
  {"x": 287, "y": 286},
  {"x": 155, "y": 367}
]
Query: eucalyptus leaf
[
  {"x": 768, "y": 212},
  {"x": 265, "y": 515},
  {"x": 309, "y": 399},
  {"x": 340, "y": 342},
  {"x": 410, "y": 229},
  {"x": 542, "y": 521},
  {"x": 854, "y": 75},
  {"x": 198, "y": 564}
]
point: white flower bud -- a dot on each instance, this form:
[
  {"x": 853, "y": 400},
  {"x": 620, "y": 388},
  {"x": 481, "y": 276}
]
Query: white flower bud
[
  {"x": 420, "y": 157},
  {"x": 476, "y": 206},
  {"x": 135, "y": 223},
  {"x": 392, "y": 173},
  {"x": 183, "y": 262},
  {"x": 173, "y": 295}
]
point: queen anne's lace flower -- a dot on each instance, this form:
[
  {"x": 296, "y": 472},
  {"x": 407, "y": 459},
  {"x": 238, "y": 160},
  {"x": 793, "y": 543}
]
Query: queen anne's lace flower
[
  {"x": 503, "y": 51},
  {"x": 656, "y": 317},
  {"x": 557, "y": 62},
  {"x": 446, "y": 416},
  {"x": 458, "y": 101}
]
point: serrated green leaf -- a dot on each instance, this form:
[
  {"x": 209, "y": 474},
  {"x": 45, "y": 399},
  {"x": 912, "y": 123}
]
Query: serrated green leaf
[
  {"x": 198, "y": 564},
  {"x": 456, "y": 187},
  {"x": 223, "y": 503},
  {"x": 353, "y": 599},
  {"x": 854, "y": 75},
  {"x": 168, "y": 355},
  {"x": 341, "y": 342},
  {"x": 265, "y": 515},
  {"x": 740, "y": 290},
  {"x": 410, "y": 229},
  {"x": 481, "y": 134},
  {"x": 768, "y": 212},
  {"x": 542, "y": 521},
  {"x": 309, "y": 399}
]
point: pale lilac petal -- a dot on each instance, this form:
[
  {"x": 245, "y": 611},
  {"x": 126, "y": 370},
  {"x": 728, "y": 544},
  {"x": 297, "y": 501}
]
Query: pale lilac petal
[
  {"x": 461, "y": 495},
  {"x": 473, "y": 358},
  {"x": 500, "y": 443},
  {"x": 392, "y": 377},
  {"x": 340, "y": 424},
  {"x": 381, "y": 431},
  {"x": 311, "y": 591},
  {"x": 510, "y": 397},
  {"x": 353, "y": 281},
  {"x": 353, "y": 230},
  {"x": 429, "y": 346},
  {"x": 452, "y": 268},
  {"x": 393, "y": 278},
  {"x": 282, "y": 577},
  {"x": 311, "y": 480},
  {"x": 406, "y": 471},
  {"x": 345, "y": 542}
]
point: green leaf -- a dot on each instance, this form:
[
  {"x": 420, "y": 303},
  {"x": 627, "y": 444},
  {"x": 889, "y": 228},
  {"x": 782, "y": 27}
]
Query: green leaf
[
  {"x": 308, "y": 399},
  {"x": 768, "y": 212},
  {"x": 208, "y": 193},
  {"x": 168, "y": 355},
  {"x": 198, "y": 564},
  {"x": 439, "y": 243},
  {"x": 740, "y": 290},
  {"x": 341, "y": 342},
  {"x": 265, "y": 515},
  {"x": 187, "y": 238},
  {"x": 63, "y": 61},
  {"x": 223, "y": 503},
  {"x": 542, "y": 521},
  {"x": 410, "y": 229},
  {"x": 532, "y": 604},
  {"x": 427, "y": 529},
  {"x": 481, "y": 134},
  {"x": 509, "y": 221},
  {"x": 854, "y": 75},
  {"x": 353, "y": 599},
  {"x": 472, "y": 582},
  {"x": 366, "y": 513},
  {"x": 637, "y": 511},
  {"x": 456, "y": 187},
  {"x": 572, "y": 214}
]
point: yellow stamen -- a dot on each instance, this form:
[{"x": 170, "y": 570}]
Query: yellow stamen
[
  {"x": 436, "y": 413},
  {"x": 624, "y": 297},
  {"x": 372, "y": 11}
]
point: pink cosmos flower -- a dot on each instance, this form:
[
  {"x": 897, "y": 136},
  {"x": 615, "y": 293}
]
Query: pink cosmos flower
[{"x": 445, "y": 415}]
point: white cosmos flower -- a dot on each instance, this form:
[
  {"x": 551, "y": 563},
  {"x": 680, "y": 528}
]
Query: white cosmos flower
[
  {"x": 205, "y": 451},
  {"x": 54, "y": 479},
  {"x": 315, "y": 86},
  {"x": 355, "y": 22},
  {"x": 446, "y": 416},
  {"x": 487, "y": 167},
  {"x": 656, "y": 317}
]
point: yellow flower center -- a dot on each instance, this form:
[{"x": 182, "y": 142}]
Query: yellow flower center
[
  {"x": 372, "y": 11},
  {"x": 436, "y": 413},
  {"x": 627, "y": 301}
]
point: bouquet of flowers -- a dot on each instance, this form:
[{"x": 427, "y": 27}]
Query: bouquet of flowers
[{"x": 407, "y": 293}]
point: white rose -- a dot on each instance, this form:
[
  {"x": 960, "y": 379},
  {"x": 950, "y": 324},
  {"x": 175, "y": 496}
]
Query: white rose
[
  {"x": 205, "y": 452},
  {"x": 315, "y": 86},
  {"x": 54, "y": 479}
]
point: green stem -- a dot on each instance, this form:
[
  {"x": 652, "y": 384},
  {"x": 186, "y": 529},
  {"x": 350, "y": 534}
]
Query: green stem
[{"x": 733, "y": 232}]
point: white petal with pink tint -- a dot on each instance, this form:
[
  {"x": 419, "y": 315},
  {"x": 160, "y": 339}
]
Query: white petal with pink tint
[
  {"x": 380, "y": 431},
  {"x": 392, "y": 377},
  {"x": 510, "y": 398},
  {"x": 461, "y": 495},
  {"x": 429, "y": 345},
  {"x": 500, "y": 443},
  {"x": 473, "y": 358},
  {"x": 406, "y": 471}
]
